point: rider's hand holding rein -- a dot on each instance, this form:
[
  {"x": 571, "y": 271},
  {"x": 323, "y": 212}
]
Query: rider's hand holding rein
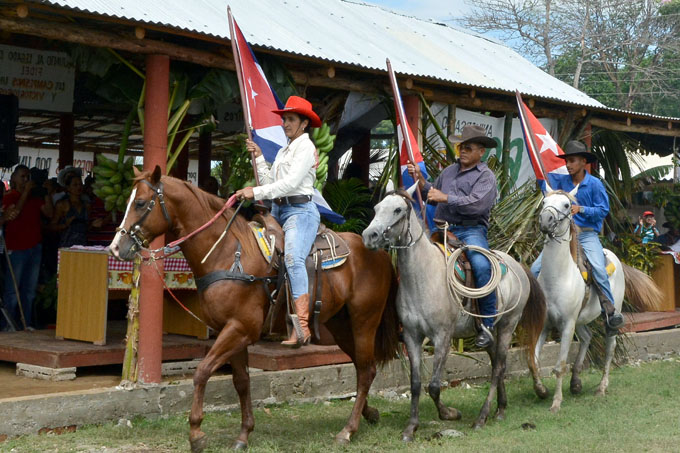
[{"x": 575, "y": 209}]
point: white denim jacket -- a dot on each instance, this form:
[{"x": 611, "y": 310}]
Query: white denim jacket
[{"x": 292, "y": 172}]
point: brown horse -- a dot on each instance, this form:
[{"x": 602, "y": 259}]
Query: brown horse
[{"x": 358, "y": 297}]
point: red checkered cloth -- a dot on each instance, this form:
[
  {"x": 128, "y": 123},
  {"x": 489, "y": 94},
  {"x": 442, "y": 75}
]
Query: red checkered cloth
[{"x": 173, "y": 263}]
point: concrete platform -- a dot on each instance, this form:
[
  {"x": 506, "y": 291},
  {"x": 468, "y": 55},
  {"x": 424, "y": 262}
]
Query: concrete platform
[{"x": 30, "y": 414}]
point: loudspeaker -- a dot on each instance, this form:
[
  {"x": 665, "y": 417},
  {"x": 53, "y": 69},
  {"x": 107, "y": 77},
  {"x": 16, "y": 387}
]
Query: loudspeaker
[{"x": 9, "y": 118}]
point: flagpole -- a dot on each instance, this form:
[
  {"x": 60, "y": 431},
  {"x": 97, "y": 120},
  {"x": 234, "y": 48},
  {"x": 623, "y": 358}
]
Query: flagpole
[
  {"x": 530, "y": 137},
  {"x": 242, "y": 89},
  {"x": 404, "y": 132}
]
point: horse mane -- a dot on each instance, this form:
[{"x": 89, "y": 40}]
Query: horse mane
[
  {"x": 212, "y": 203},
  {"x": 562, "y": 192}
]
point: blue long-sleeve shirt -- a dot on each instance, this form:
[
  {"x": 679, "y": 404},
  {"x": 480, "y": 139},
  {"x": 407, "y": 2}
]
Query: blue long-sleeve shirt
[
  {"x": 591, "y": 195},
  {"x": 471, "y": 194}
]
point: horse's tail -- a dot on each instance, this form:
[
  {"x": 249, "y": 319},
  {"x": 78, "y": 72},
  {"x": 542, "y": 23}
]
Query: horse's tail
[
  {"x": 387, "y": 335},
  {"x": 641, "y": 291},
  {"x": 532, "y": 320}
]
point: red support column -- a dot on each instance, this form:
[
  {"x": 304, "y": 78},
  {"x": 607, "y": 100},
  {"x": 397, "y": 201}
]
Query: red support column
[
  {"x": 204, "y": 155},
  {"x": 155, "y": 153},
  {"x": 361, "y": 156},
  {"x": 65, "y": 140}
]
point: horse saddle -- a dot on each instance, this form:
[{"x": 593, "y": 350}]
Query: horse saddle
[
  {"x": 328, "y": 251},
  {"x": 586, "y": 268},
  {"x": 328, "y": 245}
]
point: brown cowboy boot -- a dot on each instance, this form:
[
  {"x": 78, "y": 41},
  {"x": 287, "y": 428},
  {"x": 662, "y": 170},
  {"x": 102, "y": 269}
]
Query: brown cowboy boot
[{"x": 302, "y": 311}]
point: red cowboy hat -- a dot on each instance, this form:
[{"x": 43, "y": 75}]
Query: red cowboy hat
[
  {"x": 301, "y": 106},
  {"x": 646, "y": 213}
]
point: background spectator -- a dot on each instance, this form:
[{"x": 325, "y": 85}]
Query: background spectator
[
  {"x": 23, "y": 239},
  {"x": 646, "y": 227}
]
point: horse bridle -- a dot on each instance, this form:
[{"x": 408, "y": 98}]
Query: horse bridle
[
  {"x": 408, "y": 231},
  {"x": 559, "y": 216},
  {"x": 135, "y": 232}
]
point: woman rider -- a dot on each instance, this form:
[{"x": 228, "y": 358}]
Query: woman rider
[{"x": 289, "y": 183}]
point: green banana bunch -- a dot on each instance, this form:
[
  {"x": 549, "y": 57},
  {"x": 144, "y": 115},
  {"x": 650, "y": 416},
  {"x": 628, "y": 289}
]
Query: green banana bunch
[
  {"x": 324, "y": 143},
  {"x": 113, "y": 181}
]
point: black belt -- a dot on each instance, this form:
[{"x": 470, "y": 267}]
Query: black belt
[
  {"x": 466, "y": 223},
  {"x": 294, "y": 199}
]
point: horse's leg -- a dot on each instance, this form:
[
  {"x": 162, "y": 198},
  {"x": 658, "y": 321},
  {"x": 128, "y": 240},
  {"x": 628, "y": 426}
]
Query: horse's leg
[
  {"x": 413, "y": 347},
  {"x": 229, "y": 342},
  {"x": 241, "y": 380},
  {"x": 584, "y": 336},
  {"x": 502, "y": 357},
  {"x": 539, "y": 388},
  {"x": 364, "y": 364},
  {"x": 497, "y": 354},
  {"x": 442, "y": 347},
  {"x": 604, "y": 383},
  {"x": 561, "y": 366}
]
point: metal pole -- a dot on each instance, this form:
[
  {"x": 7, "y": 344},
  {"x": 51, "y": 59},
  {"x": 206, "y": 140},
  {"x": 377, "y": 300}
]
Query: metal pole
[{"x": 404, "y": 131}]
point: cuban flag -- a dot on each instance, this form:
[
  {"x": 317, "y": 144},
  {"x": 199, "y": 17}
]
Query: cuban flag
[
  {"x": 260, "y": 100},
  {"x": 541, "y": 147}
]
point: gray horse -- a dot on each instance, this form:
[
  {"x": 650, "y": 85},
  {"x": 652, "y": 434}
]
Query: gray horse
[{"x": 428, "y": 308}]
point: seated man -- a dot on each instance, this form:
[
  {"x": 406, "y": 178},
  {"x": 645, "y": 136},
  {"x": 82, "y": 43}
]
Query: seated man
[
  {"x": 589, "y": 214},
  {"x": 465, "y": 193}
]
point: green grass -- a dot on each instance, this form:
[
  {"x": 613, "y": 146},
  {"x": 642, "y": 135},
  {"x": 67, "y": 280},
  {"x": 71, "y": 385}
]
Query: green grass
[{"x": 640, "y": 413}]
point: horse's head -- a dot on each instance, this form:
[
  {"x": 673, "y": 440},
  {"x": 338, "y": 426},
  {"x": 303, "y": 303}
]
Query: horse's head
[
  {"x": 391, "y": 222},
  {"x": 146, "y": 216},
  {"x": 555, "y": 215}
]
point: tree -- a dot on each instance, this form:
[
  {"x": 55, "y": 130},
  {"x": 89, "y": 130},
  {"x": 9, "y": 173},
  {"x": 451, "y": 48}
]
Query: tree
[{"x": 621, "y": 52}]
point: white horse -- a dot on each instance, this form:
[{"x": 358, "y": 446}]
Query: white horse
[
  {"x": 427, "y": 307},
  {"x": 571, "y": 305}
]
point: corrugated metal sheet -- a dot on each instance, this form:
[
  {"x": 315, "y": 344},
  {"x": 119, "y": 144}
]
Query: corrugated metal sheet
[{"x": 352, "y": 33}]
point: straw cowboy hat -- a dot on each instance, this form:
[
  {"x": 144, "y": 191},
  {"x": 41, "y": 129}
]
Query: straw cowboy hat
[
  {"x": 576, "y": 148},
  {"x": 61, "y": 177},
  {"x": 474, "y": 134},
  {"x": 301, "y": 106}
]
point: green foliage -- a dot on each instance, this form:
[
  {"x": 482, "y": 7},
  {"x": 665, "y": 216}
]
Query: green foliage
[
  {"x": 668, "y": 198},
  {"x": 629, "y": 249},
  {"x": 240, "y": 167},
  {"x": 351, "y": 199}
]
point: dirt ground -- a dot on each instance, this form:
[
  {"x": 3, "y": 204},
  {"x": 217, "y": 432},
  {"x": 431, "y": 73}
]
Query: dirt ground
[{"x": 12, "y": 386}]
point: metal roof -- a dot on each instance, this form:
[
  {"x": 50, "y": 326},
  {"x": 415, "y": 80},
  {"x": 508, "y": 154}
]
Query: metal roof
[{"x": 352, "y": 33}]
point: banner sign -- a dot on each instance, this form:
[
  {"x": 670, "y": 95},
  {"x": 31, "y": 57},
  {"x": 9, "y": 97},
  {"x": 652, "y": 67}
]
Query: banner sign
[
  {"x": 520, "y": 166},
  {"x": 48, "y": 159},
  {"x": 42, "y": 80}
]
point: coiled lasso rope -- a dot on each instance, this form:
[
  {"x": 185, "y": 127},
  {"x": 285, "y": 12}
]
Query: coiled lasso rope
[{"x": 457, "y": 288}]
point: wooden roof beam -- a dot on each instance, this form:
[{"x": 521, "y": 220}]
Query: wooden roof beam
[{"x": 661, "y": 129}]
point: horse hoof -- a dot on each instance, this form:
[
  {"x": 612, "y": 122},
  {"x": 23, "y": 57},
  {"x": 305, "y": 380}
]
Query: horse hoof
[
  {"x": 541, "y": 391},
  {"x": 450, "y": 413},
  {"x": 407, "y": 438},
  {"x": 575, "y": 387},
  {"x": 500, "y": 415},
  {"x": 555, "y": 409},
  {"x": 239, "y": 445},
  {"x": 342, "y": 438},
  {"x": 372, "y": 415},
  {"x": 600, "y": 392},
  {"x": 478, "y": 425},
  {"x": 198, "y": 444}
]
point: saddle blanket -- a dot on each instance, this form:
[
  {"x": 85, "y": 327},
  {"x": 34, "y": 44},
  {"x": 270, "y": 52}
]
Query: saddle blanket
[
  {"x": 268, "y": 246},
  {"x": 611, "y": 267}
]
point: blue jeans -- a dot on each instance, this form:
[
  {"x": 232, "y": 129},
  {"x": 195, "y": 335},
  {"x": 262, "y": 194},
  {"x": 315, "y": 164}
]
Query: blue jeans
[
  {"x": 592, "y": 247},
  {"x": 26, "y": 266},
  {"x": 476, "y": 235},
  {"x": 300, "y": 223}
]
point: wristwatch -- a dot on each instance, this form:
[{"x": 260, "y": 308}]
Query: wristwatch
[{"x": 581, "y": 209}]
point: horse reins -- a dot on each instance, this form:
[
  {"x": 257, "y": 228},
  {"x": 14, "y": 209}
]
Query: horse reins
[{"x": 408, "y": 231}]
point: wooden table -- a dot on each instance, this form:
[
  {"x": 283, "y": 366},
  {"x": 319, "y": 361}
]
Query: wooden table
[
  {"x": 88, "y": 276},
  {"x": 666, "y": 274}
]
